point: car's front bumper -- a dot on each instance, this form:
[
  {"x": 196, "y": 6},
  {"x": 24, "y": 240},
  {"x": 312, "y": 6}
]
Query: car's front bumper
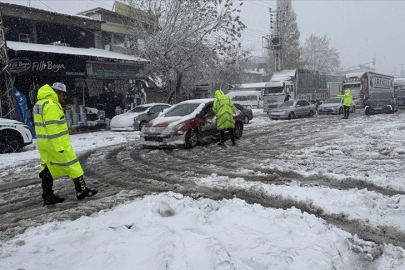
[
  {"x": 118, "y": 128},
  {"x": 332, "y": 110},
  {"x": 378, "y": 109},
  {"x": 163, "y": 140},
  {"x": 278, "y": 116}
]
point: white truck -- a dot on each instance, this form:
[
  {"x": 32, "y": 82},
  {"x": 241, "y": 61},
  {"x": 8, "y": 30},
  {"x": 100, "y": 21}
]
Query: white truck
[
  {"x": 362, "y": 84},
  {"x": 295, "y": 84}
]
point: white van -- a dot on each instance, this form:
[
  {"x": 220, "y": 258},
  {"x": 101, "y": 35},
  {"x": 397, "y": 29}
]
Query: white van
[{"x": 249, "y": 99}]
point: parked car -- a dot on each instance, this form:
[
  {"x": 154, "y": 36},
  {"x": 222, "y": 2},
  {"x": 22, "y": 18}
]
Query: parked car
[
  {"x": 400, "y": 94},
  {"x": 381, "y": 102},
  {"x": 292, "y": 109},
  {"x": 186, "y": 124},
  {"x": 14, "y": 135},
  {"x": 334, "y": 106},
  {"x": 136, "y": 118},
  {"x": 247, "y": 113}
]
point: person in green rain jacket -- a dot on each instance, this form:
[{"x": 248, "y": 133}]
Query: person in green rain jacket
[
  {"x": 57, "y": 156},
  {"x": 223, "y": 108},
  {"x": 347, "y": 102}
]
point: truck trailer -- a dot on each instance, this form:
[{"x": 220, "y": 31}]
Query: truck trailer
[
  {"x": 362, "y": 84},
  {"x": 296, "y": 84},
  {"x": 333, "y": 89}
]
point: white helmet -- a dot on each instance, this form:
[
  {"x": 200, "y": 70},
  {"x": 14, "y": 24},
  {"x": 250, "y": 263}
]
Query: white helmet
[{"x": 59, "y": 86}]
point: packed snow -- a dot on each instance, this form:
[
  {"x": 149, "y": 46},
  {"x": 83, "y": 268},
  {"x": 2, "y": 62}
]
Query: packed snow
[{"x": 171, "y": 231}]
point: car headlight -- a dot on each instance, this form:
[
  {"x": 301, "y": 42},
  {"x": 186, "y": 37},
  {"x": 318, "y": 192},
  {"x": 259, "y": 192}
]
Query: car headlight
[
  {"x": 173, "y": 129},
  {"x": 179, "y": 127}
]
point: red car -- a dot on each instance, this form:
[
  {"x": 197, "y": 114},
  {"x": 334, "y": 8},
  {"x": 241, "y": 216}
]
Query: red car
[{"x": 186, "y": 124}]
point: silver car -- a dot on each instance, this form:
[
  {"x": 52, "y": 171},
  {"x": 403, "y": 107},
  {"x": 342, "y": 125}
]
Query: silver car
[
  {"x": 293, "y": 109},
  {"x": 334, "y": 106}
]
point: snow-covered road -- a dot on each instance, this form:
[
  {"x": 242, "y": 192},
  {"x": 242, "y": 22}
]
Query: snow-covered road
[{"x": 345, "y": 176}]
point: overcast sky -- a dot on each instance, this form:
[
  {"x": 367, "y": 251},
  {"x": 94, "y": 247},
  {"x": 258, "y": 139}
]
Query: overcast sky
[{"x": 358, "y": 30}]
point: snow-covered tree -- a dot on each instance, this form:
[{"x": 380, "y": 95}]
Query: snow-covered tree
[
  {"x": 192, "y": 40},
  {"x": 317, "y": 55}
]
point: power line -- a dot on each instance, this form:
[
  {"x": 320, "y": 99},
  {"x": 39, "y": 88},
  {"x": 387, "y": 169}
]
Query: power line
[{"x": 252, "y": 2}]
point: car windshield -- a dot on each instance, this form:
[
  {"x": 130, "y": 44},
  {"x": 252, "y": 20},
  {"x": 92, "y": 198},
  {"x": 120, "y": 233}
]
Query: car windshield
[
  {"x": 139, "y": 109},
  {"x": 182, "y": 109},
  {"x": 288, "y": 103},
  {"x": 354, "y": 89},
  {"x": 273, "y": 90},
  {"x": 381, "y": 95},
  {"x": 333, "y": 100}
]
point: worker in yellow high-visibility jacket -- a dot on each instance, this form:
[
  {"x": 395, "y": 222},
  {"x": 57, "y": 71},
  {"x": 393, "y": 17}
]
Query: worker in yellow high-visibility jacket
[
  {"x": 57, "y": 156},
  {"x": 223, "y": 108}
]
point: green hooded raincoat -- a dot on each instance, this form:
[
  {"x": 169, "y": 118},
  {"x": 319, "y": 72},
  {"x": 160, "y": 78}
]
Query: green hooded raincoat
[
  {"x": 53, "y": 136},
  {"x": 347, "y": 98}
]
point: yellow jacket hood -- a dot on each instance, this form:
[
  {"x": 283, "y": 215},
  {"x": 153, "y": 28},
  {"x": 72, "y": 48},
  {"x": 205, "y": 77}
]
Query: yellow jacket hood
[
  {"x": 46, "y": 92},
  {"x": 219, "y": 93}
]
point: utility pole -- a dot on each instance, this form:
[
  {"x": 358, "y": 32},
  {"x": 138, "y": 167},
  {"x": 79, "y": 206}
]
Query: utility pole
[
  {"x": 7, "y": 99},
  {"x": 275, "y": 39}
]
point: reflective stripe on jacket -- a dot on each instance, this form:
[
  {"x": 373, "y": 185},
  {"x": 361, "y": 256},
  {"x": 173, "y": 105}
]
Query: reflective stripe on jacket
[
  {"x": 53, "y": 136},
  {"x": 223, "y": 108},
  {"x": 347, "y": 97}
]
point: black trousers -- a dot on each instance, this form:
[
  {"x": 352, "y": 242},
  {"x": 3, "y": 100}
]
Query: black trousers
[
  {"x": 346, "y": 110},
  {"x": 231, "y": 134}
]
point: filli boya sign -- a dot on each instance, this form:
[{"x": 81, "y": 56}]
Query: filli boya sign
[{"x": 60, "y": 67}]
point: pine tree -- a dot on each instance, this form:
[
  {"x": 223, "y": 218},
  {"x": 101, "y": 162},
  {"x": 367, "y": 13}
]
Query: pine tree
[{"x": 289, "y": 33}]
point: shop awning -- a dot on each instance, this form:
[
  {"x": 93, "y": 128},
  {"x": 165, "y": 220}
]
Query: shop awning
[{"x": 22, "y": 46}]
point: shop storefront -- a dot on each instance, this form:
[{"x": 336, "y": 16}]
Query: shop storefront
[{"x": 91, "y": 75}]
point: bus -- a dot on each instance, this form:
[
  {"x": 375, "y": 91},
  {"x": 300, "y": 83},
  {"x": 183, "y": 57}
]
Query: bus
[{"x": 249, "y": 99}]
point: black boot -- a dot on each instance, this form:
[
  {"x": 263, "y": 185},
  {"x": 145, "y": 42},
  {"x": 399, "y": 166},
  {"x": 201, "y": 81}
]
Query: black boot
[
  {"x": 232, "y": 134},
  {"x": 47, "y": 184},
  {"x": 222, "y": 137},
  {"x": 82, "y": 190}
]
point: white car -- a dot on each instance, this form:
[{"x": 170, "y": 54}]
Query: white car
[
  {"x": 136, "y": 118},
  {"x": 334, "y": 106},
  {"x": 14, "y": 135}
]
